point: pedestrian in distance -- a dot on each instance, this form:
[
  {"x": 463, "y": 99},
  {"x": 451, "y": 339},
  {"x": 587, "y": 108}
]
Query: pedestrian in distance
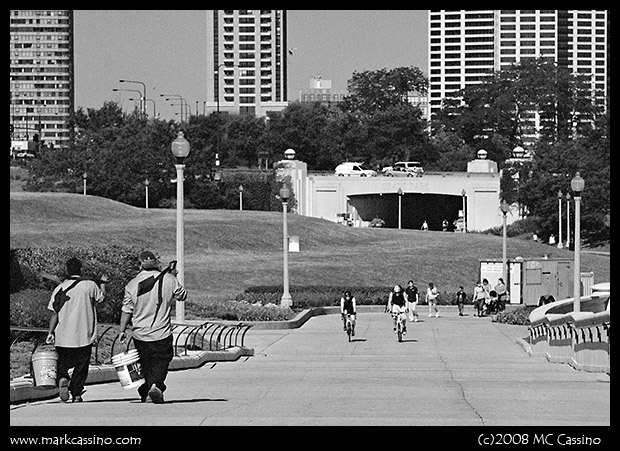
[
  {"x": 461, "y": 299},
  {"x": 431, "y": 298},
  {"x": 502, "y": 294},
  {"x": 348, "y": 307},
  {"x": 73, "y": 328},
  {"x": 147, "y": 304},
  {"x": 413, "y": 297},
  {"x": 479, "y": 298},
  {"x": 425, "y": 226}
]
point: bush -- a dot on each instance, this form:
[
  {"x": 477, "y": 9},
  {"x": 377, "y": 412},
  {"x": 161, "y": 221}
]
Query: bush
[
  {"x": 240, "y": 311},
  {"x": 28, "y": 308},
  {"x": 519, "y": 315},
  {"x": 119, "y": 263}
]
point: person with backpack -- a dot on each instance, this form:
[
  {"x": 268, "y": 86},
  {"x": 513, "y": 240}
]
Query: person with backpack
[
  {"x": 73, "y": 328},
  {"x": 147, "y": 304}
]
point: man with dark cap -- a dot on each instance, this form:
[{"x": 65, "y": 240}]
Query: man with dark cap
[
  {"x": 147, "y": 304},
  {"x": 73, "y": 328}
]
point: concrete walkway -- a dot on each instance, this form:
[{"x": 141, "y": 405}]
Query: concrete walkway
[{"x": 452, "y": 370}]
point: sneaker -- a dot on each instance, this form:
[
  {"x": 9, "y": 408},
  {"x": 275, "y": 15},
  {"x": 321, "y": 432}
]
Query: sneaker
[
  {"x": 430, "y": 316},
  {"x": 156, "y": 395},
  {"x": 437, "y": 315},
  {"x": 63, "y": 389},
  {"x": 415, "y": 320},
  {"x": 77, "y": 398}
]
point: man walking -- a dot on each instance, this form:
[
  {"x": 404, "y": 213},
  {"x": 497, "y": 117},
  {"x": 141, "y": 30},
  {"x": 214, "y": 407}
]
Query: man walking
[
  {"x": 148, "y": 303},
  {"x": 73, "y": 328}
]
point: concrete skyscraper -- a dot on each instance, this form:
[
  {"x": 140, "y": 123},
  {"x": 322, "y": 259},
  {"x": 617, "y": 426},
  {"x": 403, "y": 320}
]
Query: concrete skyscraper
[
  {"x": 246, "y": 61},
  {"x": 465, "y": 46},
  {"x": 41, "y": 78}
]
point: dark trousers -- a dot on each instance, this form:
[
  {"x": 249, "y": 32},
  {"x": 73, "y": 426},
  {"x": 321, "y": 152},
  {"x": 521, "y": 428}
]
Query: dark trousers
[
  {"x": 155, "y": 356},
  {"x": 78, "y": 359}
]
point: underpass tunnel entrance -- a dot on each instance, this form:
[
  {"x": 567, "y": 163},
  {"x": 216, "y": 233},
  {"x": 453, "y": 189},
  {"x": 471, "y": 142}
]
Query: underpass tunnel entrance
[{"x": 415, "y": 209}]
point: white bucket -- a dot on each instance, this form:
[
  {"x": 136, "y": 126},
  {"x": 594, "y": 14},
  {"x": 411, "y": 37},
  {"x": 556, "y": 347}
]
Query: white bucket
[
  {"x": 44, "y": 362},
  {"x": 129, "y": 369}
]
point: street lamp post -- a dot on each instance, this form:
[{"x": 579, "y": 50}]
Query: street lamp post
[
  {"x": 143, "y": 95},
  {"x": 84, "y": 177},
  {"x": 240, "y": 197},
  {"x": 560, "y": 198},
  {"x": 505, "y": 208},
  {"x": 400, "y": 210},
  {"x": 285, "y": 194},
  {"x": 567, "y": 220},
  {"x": 464, "y": 195},
  {"x": 180, "y": 149},
  {"x": 577, "y": 184},
  {"x": 146, "y": 193}
]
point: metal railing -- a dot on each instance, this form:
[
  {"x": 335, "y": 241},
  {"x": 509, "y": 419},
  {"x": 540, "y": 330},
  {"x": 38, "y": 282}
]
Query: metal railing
[{"x": 208, "y": 336}]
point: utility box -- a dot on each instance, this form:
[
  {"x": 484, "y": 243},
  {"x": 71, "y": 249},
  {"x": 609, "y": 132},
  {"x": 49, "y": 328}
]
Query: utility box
[{"x": 532, "y": 281}]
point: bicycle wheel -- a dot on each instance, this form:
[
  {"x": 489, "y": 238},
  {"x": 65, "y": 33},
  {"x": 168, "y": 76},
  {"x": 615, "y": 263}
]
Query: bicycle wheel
[
  {"x": 349, "y": 330},
  {"x": 400, "y": 331}
]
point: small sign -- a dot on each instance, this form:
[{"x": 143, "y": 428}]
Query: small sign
[{"x": 293, "y": 243}]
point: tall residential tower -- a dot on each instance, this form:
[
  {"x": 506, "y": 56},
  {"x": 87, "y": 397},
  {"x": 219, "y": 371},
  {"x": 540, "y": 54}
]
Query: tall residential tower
[
  {"x": 41, "y": 78},
  {"x": 246, "y": 61},
  {"x": 465, "y": 46}
]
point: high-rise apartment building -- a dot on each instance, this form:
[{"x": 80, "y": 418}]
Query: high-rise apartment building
[
  {"x": 465, "y": 46},
  {"x": 41, "y": 77},
  {"x": 246, "y": 61}
]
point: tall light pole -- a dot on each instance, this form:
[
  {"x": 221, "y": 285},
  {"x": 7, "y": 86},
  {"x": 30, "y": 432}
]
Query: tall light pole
[
  {"x": 464, "y": 195},
  {"x": 84, "y": 177},
  {"x": 130, "y": 90},
  {"x": 183, "y": 102},
  {"x": 577, "y": 184},
  {"x": 240, "y": 197},
  {"x": 567, "y": 220},
  {"x": 146, "y": 193},
  {"x": 504, "y": 207},
  {"x": 560, "y": 198},
  {"x": 180, "y": 149},
  {"x": 400, "y": 210},
  {"x": 285, "y": 194},
  {"x": 143, "y": 95}
]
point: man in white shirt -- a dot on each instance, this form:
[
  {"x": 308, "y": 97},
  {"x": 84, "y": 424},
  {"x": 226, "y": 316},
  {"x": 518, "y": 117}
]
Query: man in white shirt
[
  {"x": 73, "y": 328},
  {"x": 148, "y": 303}
]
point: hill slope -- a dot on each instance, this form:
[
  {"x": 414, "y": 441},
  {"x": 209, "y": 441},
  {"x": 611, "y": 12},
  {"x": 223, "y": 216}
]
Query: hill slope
[{"x": 227, "y": 250}]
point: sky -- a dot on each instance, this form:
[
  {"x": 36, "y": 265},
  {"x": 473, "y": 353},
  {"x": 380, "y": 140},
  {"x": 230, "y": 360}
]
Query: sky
[{"x": 166, "y": 50}]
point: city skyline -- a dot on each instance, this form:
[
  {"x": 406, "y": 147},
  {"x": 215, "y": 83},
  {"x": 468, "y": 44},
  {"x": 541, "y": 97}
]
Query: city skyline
[{"x": 166, "y": 50}]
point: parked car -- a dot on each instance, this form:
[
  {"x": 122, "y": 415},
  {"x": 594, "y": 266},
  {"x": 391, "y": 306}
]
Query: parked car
[
  {"x": 350, "y": 168},
  {"x": 404, "y": 169}
]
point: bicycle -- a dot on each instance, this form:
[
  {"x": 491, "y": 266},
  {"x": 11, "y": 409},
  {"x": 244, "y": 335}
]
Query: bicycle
[
  {"x": 348, "y": 325},
  {"x": 399, "y": 323}
]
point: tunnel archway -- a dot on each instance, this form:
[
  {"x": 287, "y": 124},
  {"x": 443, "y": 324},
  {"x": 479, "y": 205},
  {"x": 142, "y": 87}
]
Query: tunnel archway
[{"x": 415, "y": 209}]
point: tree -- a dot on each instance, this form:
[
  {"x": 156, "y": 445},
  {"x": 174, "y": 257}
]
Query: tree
[{"x": 372, "y": 91}]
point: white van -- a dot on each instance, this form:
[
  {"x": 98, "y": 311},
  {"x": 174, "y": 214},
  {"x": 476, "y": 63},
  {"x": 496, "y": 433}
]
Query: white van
[{"x": 354, "y": 169}]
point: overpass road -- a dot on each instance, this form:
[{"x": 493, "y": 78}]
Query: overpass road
[{"x": 452, "y": 370}]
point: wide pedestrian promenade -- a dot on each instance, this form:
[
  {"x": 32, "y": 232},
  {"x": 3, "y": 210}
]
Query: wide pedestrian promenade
[{"x": 449, "y": 371}]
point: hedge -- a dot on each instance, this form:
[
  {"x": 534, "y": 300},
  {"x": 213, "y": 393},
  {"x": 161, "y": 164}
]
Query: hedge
[{"x": 119, "y": 263}]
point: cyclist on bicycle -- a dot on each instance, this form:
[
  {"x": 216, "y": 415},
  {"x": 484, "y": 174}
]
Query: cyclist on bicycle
[
  {"x": 348, "y": 307},
  {"x": 397, "y": 304}
]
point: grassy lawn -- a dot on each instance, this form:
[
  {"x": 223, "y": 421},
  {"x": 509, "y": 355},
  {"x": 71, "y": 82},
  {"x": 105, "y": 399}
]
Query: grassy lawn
[{"x": 227, "y": 251}]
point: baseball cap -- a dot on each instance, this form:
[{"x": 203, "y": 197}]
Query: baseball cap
[{"x": 148, "y": 259}]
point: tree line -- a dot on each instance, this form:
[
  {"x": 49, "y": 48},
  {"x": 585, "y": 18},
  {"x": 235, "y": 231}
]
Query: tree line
[{"x": 375, "y": 124}]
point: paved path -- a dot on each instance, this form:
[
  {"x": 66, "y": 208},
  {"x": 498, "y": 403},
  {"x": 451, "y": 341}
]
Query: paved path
[{"x": 451, "y": 370}]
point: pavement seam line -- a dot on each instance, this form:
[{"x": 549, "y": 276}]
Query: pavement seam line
[{"x": 462, "y": 390}]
